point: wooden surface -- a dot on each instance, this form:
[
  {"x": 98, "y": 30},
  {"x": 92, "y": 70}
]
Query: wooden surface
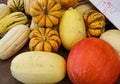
[{"x": 5, "y": 74}]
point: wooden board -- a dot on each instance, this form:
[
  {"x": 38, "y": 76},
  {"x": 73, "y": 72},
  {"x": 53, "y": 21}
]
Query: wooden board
[{"x": 5, "y": 74}]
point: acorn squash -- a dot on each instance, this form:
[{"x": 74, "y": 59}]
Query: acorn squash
[{"x": 44, "y": 39}]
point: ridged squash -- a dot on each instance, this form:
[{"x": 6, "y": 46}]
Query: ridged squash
[
  {"x": 38, "y": 67},
  {"x": 12, "y": 20},
  {"x": 27, "y": 6},
  {"x": 4, "y": 10},
  {"x": 16, "y": 5},
  {"x": 72, "y": 28},
  {"x": 95, "y": 23},
  {"x": 44, "y": 39},
  {"x": 68, "y": 3},
  {"x": 46, "y": 13},
  {"x": 13, "y": 41}
]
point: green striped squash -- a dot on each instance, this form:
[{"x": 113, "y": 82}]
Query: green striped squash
[
  {"x": 12, "y": 20},
  {"x": 16, "y": 5}
]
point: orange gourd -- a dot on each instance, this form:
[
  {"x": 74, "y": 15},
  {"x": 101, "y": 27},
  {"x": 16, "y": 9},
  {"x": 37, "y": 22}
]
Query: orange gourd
[
  {"x": 46, "y": 13},
  {"x": 44, "y": 39},
  {"x": 93, "y": 61}
]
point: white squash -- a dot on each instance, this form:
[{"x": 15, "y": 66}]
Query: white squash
[
  {"x": 38, "y": 67},
  {"x": 27, "y": 6},
  {"x": 13, "y": 41},
  {"x": 113, "y": 38},
  {"x": 33, "y": 25},
  {"x": 84, "y": 7}
]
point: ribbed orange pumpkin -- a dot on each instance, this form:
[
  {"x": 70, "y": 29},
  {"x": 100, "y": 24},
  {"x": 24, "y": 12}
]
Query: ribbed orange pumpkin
[
  {"x": 68, "y": 3},
  {"x": 46, "y": 13},
  {"x": 44, "y": 39}
]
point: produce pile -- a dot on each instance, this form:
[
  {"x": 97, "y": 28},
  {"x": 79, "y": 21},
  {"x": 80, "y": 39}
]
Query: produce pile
[{"x": 46, "y": 25}]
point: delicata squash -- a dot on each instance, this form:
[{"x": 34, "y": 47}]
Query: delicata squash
[
  {"x": 46, "y": 13},
  {"x": 11, "y": 20},
  {"x": 44, "y": 39}
]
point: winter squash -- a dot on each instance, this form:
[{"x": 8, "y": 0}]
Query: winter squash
[
  {"x": 95, "y": 23},
  {"x": 46, "y": 13},
  {"x": 68, "y": 3},
  {"x": 27, "y": 6},
  {"x": 38, "y": 67},
  {"x": 16, "y": 5},
  {"x": 90, "y": 63},
  {"x": 44, "y": 39}
]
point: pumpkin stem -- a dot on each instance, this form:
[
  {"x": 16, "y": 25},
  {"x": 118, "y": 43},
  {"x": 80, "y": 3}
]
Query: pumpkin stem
[
  {"x": 44, "y": 38},
  {"x": 45, "y": 11}
]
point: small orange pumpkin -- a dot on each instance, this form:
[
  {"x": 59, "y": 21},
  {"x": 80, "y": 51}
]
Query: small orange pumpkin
[
  {"x": 44, "y": 39},
  {"x": 68, "y": 3},
  {"x": 46, "y": 13}
]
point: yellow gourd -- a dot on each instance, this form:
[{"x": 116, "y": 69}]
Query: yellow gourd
[
  {"x": 38, "y": 67},
  {"x": 71, "y": 28}
]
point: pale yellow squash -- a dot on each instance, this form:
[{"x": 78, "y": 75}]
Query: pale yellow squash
[
  {"x": 72, "y": 28},
  {"x": 113, "y": 38},
  {"x": 38, "y": 67}
]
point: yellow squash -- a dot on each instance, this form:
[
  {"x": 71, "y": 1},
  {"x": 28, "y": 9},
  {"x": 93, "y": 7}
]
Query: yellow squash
[
  {"x": 72, "y": 28},
  {"x": 4, "y": 10},
  {"x": 12, "y": 20},
  {"x": 37, "y": 67}
]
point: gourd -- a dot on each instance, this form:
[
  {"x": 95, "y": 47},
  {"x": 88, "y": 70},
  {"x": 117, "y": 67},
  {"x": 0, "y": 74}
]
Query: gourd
[
  {"x": 4, "y": 10},
  {"x": 13, "y": 41},
  {"x": 68, "y": 3},
  {"x": 95, "y": 23},
  {"x": 33, "y": 25},
  {"x": 27, "y": 6},
  {"x": 93, "y": 61},
  {"x": 46, "y": 13},
  {"x": 11, "y": 21},
  {"x": 112, "y": 36},
  {"x": 82, "y": 8},
  {"x": 44, "y": 39},
  {"x": 71, "y": 28},
  {"x": 16, "y": 5},
  {"x": 38, "y": 67}
]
